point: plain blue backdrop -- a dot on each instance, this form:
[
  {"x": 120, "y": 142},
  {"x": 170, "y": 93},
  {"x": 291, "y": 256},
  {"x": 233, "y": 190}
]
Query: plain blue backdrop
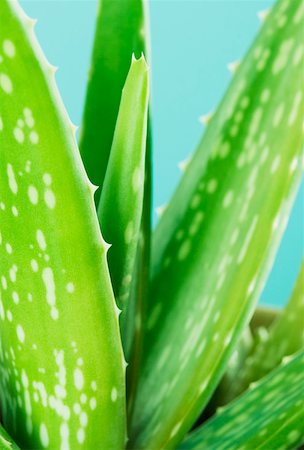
[{"x": 192, "y": 42}]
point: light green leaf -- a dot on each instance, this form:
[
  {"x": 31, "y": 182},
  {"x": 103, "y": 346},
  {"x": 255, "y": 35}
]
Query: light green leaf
[
  {"x": 137, "y": 304},
  {"x": 215, "y": 244},
  {"x": 225, "y": 392},
  {"x": 61, "y": 362},
  {"x": 284, "y": 337},
  {"x": 268, "y": 416},
  {"x": 120, "y": 32},
  {"x": 6, "y": 443},
  {"x": 121, "y": 202}
]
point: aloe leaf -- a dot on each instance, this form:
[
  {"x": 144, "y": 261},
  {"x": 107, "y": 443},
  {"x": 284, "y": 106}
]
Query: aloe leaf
[
  {"x": 283, "y": 338},
  {"x": 135, "y": 318},
  {"x": 6, "y": 442},
  {"x": 230, "y": 383},
  {"x": 61, "y": 362},
  {"x": 268, "y": 416},
  {"x": 215, "y": 244},
  {"x": 120, "y": 32},
  {"x": 121, "y": 202},
  {"x": 225, "y": 391}
]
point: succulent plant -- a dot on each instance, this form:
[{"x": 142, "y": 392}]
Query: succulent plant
[{"x": 101, "y": 345}]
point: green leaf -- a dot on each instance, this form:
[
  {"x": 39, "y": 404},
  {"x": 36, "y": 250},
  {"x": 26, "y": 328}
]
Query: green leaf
[
  {"x": 215, "y": 244},
  {"x": 61, "y": 362},
  {"x": 6, "y": 443},
  {"x": 226, "y": 391},
  {"x": 121, "y": 203},
  {"x": 268, "y": 416},
  {"x": 120, "y": 32},
  {"x": 283, "y": 338},
  {"x": 136, "y": 317}
]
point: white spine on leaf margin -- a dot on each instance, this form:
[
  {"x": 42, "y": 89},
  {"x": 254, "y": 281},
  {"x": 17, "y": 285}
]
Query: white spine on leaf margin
[
  {"x": 233, "y": 66},
  {"x": 205, "y": 118},
  {"x": 49, "y": 71},
  {"x": 184, "y": 164},
  {"x": 262, "y": 15}
]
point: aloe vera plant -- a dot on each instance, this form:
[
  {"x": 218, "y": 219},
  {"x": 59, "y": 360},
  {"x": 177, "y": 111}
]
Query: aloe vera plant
[{"x": 71, "y": 262}]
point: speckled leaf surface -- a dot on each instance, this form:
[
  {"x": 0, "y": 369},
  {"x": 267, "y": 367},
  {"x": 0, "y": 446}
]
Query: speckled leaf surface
[
  {"x": 216, "y": 242},
  {"x": 225, "y": 391},
  {"x": 284, "y": 337},
  {"x": 229, "y": 384},
  {"x": 61, "y": 362},
  {"x": 121, "y": 201},
  {"x": 120, "y": 32},
  {"x": 268, "y": 416},
  {"x": 263, "y": 317},
  {"x": 6, "y": 443}
]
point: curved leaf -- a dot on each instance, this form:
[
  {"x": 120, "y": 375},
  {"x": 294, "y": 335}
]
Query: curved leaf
[
  {"x": 216, "y": 242},
  {"x": 283, "y": 338},
  {"x": 268, "y": 416},
  {"x": 59, "y": 388},
  {"x": 226, "y": 391}
]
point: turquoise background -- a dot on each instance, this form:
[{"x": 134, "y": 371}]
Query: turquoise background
[{"x": 192, "y": 42}]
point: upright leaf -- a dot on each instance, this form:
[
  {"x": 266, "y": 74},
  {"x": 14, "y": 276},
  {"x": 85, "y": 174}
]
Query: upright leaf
[
  {"x": 215, "y": 244},
  {"x": 121, "y": 202},
  {"x": 61, "y": 361},
  {"x": 268, "y": 416},
  {"x": 120, "y": 32},
  {"x": 136, "y": 313}
]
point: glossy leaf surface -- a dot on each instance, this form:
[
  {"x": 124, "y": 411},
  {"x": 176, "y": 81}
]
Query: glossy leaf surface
[
  {"x": 121, "y": 202},
  {"x": 120, "y": 32},
  {"x": 215, "y": 244},
  {"x": 268, "y": 416},
  {"x": 59, "y": 388},
  {"x": 283, "y": 338}
]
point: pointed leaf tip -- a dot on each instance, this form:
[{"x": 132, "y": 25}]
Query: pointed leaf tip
[{"x": 141, "y": 61}]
